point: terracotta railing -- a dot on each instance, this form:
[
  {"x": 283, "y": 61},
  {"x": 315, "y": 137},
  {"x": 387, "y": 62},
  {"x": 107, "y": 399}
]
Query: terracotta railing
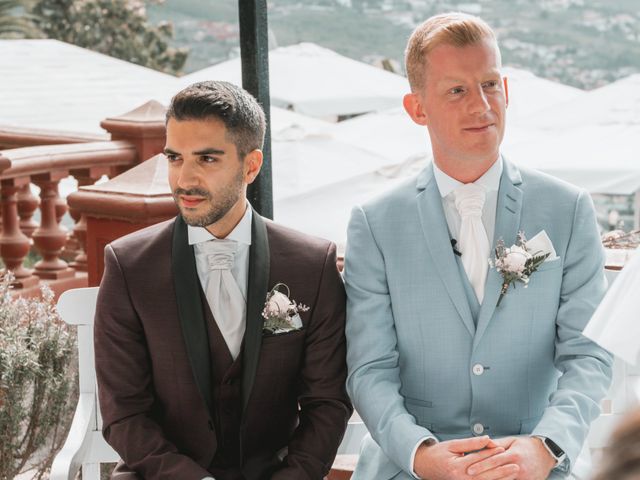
[
  {"x": 16, "y": 137},
  {"x": 135, "y": 137}
]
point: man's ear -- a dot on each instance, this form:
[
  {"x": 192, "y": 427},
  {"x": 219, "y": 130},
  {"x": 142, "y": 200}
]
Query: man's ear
[
  {"x": 413, "y": 105},
  {"x": 505, "y": 82},
  {"x": 252, "y": 165}
]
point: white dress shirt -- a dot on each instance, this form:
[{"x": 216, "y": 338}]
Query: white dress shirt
[
  {"x": 490, "y": 180},
  {"x": 240, "y": 271}
]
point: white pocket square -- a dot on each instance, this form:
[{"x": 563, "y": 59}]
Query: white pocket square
[{"x": 540, "y": 244}]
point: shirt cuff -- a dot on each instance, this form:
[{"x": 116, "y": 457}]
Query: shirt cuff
[
  {"x": 415, "y": 450},
  {"x": 563, "y": 466}
]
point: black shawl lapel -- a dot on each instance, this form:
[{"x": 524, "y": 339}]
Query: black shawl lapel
[
  {"x": 259, "y": 259},
  {"x": 194, "y": 329}
]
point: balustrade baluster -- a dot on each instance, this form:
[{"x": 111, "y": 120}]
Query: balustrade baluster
[
  {"x": 80, "y": 233},
  {"x": 49, "y": 239},
  {"x": 60, "y": 208},
  {"x": 27, "y": 204},
  {"x": 84, "y": 177},
  {"x": 14, "y": 245}
]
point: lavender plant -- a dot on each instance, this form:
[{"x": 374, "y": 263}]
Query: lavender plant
[{"x": 37, "y": 382}]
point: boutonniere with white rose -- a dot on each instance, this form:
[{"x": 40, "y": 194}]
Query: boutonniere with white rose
[
  {"x": 516, "y": 263},
  {"x": 280, "y": 313}
]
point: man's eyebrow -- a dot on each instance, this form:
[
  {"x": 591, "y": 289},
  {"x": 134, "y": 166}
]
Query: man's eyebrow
[
  {"x": 451, "y": 80},
  {"x": 492, "y": 72},
  {"x": 206, "y": 151},
  {"x": 209, "y": 151}
]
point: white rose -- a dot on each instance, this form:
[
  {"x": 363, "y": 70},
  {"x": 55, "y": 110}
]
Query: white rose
[
  {"x": 515, "y": 259},
  {"x": 278, "y": 303}
]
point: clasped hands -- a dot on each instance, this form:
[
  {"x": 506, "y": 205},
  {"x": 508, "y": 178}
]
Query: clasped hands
[{"x": 483, "y": 458}]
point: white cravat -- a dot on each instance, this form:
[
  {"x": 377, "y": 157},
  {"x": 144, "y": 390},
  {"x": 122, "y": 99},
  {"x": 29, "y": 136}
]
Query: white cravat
[
  {"x": 473, "y": 241},
  {"x": 490, "y": 180},
  {"x": 223, "y": 293}
]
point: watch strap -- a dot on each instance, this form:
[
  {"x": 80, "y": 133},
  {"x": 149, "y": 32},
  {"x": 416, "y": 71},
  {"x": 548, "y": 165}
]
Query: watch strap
[{"x": 553, "y": 449}]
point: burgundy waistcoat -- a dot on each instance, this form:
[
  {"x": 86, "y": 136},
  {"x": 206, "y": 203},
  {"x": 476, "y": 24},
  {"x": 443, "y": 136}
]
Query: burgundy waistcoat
[{"x": 227, "y": 401}]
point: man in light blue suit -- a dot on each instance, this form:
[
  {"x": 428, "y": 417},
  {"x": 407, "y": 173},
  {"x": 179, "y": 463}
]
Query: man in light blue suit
[{"x": 449, "y": 384}]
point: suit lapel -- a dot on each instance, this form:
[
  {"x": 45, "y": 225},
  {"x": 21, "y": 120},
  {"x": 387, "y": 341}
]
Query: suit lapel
[
  {"x": 508, "y": 212},
  {"x": 194, "y": 329},
  {"x": 259, "y": 259},
  {"x": 436, "y": 233}
]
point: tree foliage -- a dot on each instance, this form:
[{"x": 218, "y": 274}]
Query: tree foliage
[
  {"x": 14, "y": 23},
  {"x": 118, "y": 28}
]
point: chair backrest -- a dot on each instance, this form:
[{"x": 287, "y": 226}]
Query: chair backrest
[
  {"x": 77, "y": 307},
  {"x": 620, "y": 399},
  {"x": 84, "y": 447}
]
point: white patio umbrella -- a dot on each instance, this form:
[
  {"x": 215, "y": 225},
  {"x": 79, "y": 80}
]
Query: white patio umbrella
[{"x": 317, "y": 81}]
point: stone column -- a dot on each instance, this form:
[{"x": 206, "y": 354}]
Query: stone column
[
  {"x": 143, "y": 127},
  {"x": 133, "y": 200}
]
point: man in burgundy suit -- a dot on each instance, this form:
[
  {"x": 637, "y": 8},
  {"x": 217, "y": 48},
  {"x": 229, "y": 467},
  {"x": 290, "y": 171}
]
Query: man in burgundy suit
[{"x": 197, "y": 379}]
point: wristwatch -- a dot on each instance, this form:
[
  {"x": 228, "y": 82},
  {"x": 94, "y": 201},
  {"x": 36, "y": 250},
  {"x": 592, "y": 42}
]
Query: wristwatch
[{"x": 553, "y": 448}]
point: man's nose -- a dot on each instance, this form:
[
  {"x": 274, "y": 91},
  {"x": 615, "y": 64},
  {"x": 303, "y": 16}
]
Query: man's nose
[
  {"x": 188, "y": 177},
  {"x": 478, "y": 102}
]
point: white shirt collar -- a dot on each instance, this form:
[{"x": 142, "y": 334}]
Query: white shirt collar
[
  {"x": 241, "y": 232},
  {"x": 490, "y": 180}
]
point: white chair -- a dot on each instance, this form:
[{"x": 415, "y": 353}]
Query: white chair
[
  {"x": 621, "y": 398},
  {"x": 85, "y": 447}
]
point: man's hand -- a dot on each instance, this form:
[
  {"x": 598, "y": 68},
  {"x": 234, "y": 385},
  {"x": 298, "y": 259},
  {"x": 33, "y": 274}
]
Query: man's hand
[
  {"x": 451, "y": 460},
  {"x": 528, "y": 453}
]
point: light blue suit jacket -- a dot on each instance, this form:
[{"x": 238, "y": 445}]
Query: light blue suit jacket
[{"x": 414, "y": 332}]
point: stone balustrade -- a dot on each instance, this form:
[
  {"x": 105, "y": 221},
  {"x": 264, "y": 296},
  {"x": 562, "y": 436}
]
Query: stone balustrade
[
  {"x": 16, "y": 137},
  {"x": 43, "y": 158}
]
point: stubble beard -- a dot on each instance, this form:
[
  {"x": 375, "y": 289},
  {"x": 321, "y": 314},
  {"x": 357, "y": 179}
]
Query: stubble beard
[{"x": 228, "y": 196}]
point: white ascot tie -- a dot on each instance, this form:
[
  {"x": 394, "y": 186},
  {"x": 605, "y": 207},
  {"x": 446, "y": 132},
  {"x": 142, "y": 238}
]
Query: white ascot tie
[
  {"x": 223, "y": 293},
  {"x": 473, "y": 241}
]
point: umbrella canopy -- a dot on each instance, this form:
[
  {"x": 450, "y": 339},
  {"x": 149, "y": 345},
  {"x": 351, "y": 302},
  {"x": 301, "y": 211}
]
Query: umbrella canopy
[
  {"x": 529, "y": 93},
  {"x": 615, "y": 104},
  {"x": 317, "y": 81}
]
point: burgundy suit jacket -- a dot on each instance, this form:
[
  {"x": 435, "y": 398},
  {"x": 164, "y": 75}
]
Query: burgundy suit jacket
[{"x": 154, "y": 371}]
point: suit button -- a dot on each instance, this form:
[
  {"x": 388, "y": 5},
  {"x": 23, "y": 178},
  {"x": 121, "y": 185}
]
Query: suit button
[
  {"x": 478, "y": 428},
  {"x": 477, "y": 369}
]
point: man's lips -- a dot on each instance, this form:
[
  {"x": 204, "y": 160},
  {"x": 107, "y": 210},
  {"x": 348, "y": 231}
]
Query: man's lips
[
  {"x": 479, "y": 128},
  {"x": 190, "y": 201}
]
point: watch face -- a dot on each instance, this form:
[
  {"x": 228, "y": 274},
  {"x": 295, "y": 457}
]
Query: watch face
[{"x": 555, "y": 449}]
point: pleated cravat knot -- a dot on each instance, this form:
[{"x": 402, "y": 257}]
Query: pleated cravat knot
[
  {"x": 224, "y": 296},
  {"x": 470, "y": 200},
  {"x": 221, "y": 260},
  {"x": 473, "y": 241}
]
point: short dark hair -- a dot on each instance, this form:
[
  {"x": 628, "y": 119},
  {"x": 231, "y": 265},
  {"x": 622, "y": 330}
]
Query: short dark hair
[{"x": 235, "y": 107}]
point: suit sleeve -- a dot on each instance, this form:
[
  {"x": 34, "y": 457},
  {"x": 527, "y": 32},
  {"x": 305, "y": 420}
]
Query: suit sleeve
[
  {"x": 372, "y": 351},
  {"x": 585, "y": 367},
  {"x": 324, "y": 405},
  {"x": 125, "y": 387}
]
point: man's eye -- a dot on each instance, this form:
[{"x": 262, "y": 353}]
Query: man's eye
[
  {"x": 490, "y": 84},
  {"x": 171, "y": 157},
  {"x": 456, "y": 90},
  {"x": 208, "y": 159}
]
